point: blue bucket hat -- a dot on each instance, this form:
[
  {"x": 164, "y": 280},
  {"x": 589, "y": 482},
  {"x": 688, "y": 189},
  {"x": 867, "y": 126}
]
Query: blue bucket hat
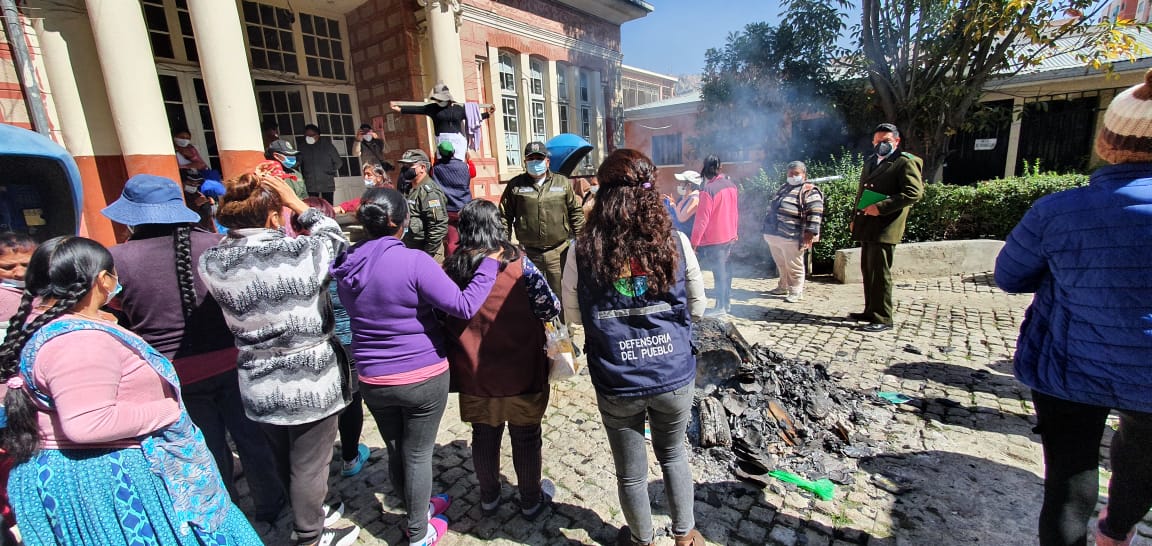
[{"x": 150, "y": 199}]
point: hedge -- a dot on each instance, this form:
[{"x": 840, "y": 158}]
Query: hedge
[{"x": 988, "y": 210}]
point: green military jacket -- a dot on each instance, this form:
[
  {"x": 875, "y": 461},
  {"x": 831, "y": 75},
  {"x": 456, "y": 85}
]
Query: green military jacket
[
  {"x": 543, "y": 217},
  {"x": 899, "y": 177},
  {"x": 428, "y": 219}
]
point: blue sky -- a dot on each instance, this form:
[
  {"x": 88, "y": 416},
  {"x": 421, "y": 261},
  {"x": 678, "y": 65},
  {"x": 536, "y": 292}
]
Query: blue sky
[{"x": 672, "y": 39}]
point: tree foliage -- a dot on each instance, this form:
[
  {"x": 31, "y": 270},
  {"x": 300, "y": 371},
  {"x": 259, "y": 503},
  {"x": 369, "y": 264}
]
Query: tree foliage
[
  {"x": 921, "y": 64},
  {"x": 929, "y": 61}
]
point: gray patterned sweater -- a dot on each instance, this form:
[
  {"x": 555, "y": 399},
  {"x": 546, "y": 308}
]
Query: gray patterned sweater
[{"x": 274, "y": 294}]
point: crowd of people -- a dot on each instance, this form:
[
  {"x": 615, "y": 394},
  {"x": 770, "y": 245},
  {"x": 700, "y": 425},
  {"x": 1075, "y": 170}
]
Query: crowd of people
[{"x": 126, "y": 369}]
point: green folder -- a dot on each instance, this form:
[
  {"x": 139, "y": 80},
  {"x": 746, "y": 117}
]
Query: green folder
[{"x": 869, "y": 198}]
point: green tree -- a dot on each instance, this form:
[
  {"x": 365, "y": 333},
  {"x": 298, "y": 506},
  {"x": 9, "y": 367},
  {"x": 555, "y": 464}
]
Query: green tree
[
  {"x": 929, "y": 61},
  {"x": 767, "y": 76}
]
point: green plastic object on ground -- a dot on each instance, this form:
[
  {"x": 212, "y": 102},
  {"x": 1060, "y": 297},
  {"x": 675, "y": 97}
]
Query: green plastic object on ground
[
  {"x": 894, "y": 397},
  {"x": 823, "y": 488}
]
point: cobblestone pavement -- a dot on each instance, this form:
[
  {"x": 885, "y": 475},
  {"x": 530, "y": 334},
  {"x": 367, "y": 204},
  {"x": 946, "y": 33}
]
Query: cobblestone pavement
[{"x": 960, "y": 464}]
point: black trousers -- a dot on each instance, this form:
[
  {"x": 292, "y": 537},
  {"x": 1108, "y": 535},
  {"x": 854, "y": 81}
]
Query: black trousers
[
  {"x": 1071, "y": 433},
  {"x": 876, "y": 268}
]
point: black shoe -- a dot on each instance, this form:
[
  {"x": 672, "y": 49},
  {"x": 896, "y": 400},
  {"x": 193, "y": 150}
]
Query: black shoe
[
  {"x": 860, "y": 317},
  {"x": 876, "y": 327}
]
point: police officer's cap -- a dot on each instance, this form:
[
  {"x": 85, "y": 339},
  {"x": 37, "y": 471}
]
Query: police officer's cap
[
  {"x": 414, "y": 156},
  {"x": 536, "y": 148}
]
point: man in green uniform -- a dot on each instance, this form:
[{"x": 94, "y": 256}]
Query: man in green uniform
[
  {"x": 428, "y": 219},
  {"x": 544, "y": 212},
  {"x": 893, "y": 180}
]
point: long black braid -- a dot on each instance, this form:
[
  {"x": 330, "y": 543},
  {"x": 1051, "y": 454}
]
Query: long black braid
[
  {"x": 182, "y": 238},
  {"x": 62, "y": 271}
]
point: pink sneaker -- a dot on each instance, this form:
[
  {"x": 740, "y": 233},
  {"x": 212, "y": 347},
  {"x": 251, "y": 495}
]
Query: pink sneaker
[
  {"x": 437, "y": 529},
  {"x": 1105, "y": 540},
  {"x": 438, "y": 504}
]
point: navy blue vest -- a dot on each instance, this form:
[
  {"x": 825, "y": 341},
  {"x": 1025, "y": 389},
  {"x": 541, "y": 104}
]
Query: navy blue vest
[{"x": 637, "y": 344}]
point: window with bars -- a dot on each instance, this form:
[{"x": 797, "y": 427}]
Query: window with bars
[
  {"x": 173, "y": 101},
  {"x": 667, "y": 149},
  {"x": 562, "y": 97},
  {"x": 539, "y": 127},
  {"x": 211, "y": 151},
  {"x": 186, "y": 34},
  {"x": 323, "y": 47},
  {"x": 159, "y": 34},
  {"x": 586, "y": 122},
  {"x": 334, "y": 116},
  {"x": 585, "y": 92},
  {"x": 285, "y": 107},
  {"x": 536, "y": 78},
  {"x": 562, "y": 109},
  {"x": 510, "y": 106},
  {"x": 269, "y": 31}
]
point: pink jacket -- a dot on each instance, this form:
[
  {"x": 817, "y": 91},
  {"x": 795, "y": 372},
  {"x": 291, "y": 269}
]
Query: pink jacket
[{"x": 718, "y": 215}]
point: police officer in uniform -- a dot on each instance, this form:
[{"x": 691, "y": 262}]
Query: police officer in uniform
[
  {"x": 880, "y": 226},
  {"x": 428, "y": 219},
  {"x": 543, "y": 210}
]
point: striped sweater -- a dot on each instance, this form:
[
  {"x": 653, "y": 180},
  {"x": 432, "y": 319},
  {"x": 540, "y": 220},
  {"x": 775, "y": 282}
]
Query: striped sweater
[
  {"x": 273, "y": 291},
  {"x": 787, "y": 216}
]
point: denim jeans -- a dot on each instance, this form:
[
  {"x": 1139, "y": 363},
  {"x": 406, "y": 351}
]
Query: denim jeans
[
  {"x": 408, "y": 417},
  {"x": 215, "y": 407},
  {"x": 1071, "y": 433},
  {"x": 668, "y": 414},
  {"x": 715, "y": 259}
]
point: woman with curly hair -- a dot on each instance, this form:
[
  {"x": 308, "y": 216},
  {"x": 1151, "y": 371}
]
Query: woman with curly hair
[
  {"x": 635, "y": 284},
  {"x": 92, "y": 411},
  {"x": 165, "y": 302}
]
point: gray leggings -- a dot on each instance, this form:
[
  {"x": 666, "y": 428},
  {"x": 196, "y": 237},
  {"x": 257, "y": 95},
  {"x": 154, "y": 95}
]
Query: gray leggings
[
  {"x": 408, "y": 417},
  {"x": 668, "y": 415}
]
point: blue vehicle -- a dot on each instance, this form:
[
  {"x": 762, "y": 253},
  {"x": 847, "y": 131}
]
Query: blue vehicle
[{"x": 40, "y": 187}]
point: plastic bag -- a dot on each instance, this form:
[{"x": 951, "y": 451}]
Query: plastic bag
[{"x": 561, "y": 354}]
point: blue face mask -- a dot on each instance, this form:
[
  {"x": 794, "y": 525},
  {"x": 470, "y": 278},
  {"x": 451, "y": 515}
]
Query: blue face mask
[
  {"x": 289, "y": 162},
  {"x": 536, "y": 167},
  {"x": 405, "y": 233},
  {"x": 115, "y": 292}
]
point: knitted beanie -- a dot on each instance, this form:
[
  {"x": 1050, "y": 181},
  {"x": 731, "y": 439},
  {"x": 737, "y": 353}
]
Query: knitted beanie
[{"x": 1127, "y": 133}]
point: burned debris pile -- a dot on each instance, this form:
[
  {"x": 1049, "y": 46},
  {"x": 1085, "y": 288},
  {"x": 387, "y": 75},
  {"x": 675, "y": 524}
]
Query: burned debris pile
[{"x": 758, "y": 411}]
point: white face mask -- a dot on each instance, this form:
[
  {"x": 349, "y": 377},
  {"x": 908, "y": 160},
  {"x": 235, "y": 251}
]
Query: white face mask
[
  {"x": 795, "y": 180},
  {"x": 369, "y": 182},
  {"x": 367, "y": 138},
  {"x": 310, "y": 140},
  {"x": 594, "y": 189},
  {"x": 182, "y": 142},
  {"x": 681, "y": 190},
  {"x": 215, "y": 209}
]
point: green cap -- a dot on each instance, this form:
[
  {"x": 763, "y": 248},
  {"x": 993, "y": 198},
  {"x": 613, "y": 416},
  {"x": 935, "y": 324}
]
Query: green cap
[{"x": 446, "y": 148}]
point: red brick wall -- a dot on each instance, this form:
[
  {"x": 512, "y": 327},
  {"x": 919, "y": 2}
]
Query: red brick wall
[{"x": 386, "y": 59}]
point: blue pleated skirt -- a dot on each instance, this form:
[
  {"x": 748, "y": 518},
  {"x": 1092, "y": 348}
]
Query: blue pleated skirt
[{"x": 107, "y": 497}]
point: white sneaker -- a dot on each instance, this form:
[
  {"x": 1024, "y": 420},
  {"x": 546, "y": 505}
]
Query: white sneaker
[
  {"x": 345, "y": 536},
  {"x": 794, "y": 298},
  {"x": 332, "y": 514},
  {"x": 778, "y": 291}
]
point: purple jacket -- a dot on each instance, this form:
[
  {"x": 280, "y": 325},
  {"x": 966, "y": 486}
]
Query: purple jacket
[{"x": 390, "y": 292}]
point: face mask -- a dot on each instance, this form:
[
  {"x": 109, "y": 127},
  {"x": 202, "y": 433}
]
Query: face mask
[
  {"x": 182, "y": 142},
  {"x": 681, "y": 190},
  {"x": 369, "y": 182},
  {"x": 795, "y": 180},
  {"x": 408, "y": 174},
  {"x": 310, "y": 140},
  {"x": 289, "y": 162},
  {"x": 214, "y": 209},
  {"x": 594, "y": 189},
  {"x": 367, "y": 138},
  {"x": 404, "y": 233},
  {"x": 884, "y": 148},
  {"x": 189, "y": 188},
  {"x": 13, "y": 283},
  {"x": 536, "y": 167},
  {"x": 115, "y": 292}
]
